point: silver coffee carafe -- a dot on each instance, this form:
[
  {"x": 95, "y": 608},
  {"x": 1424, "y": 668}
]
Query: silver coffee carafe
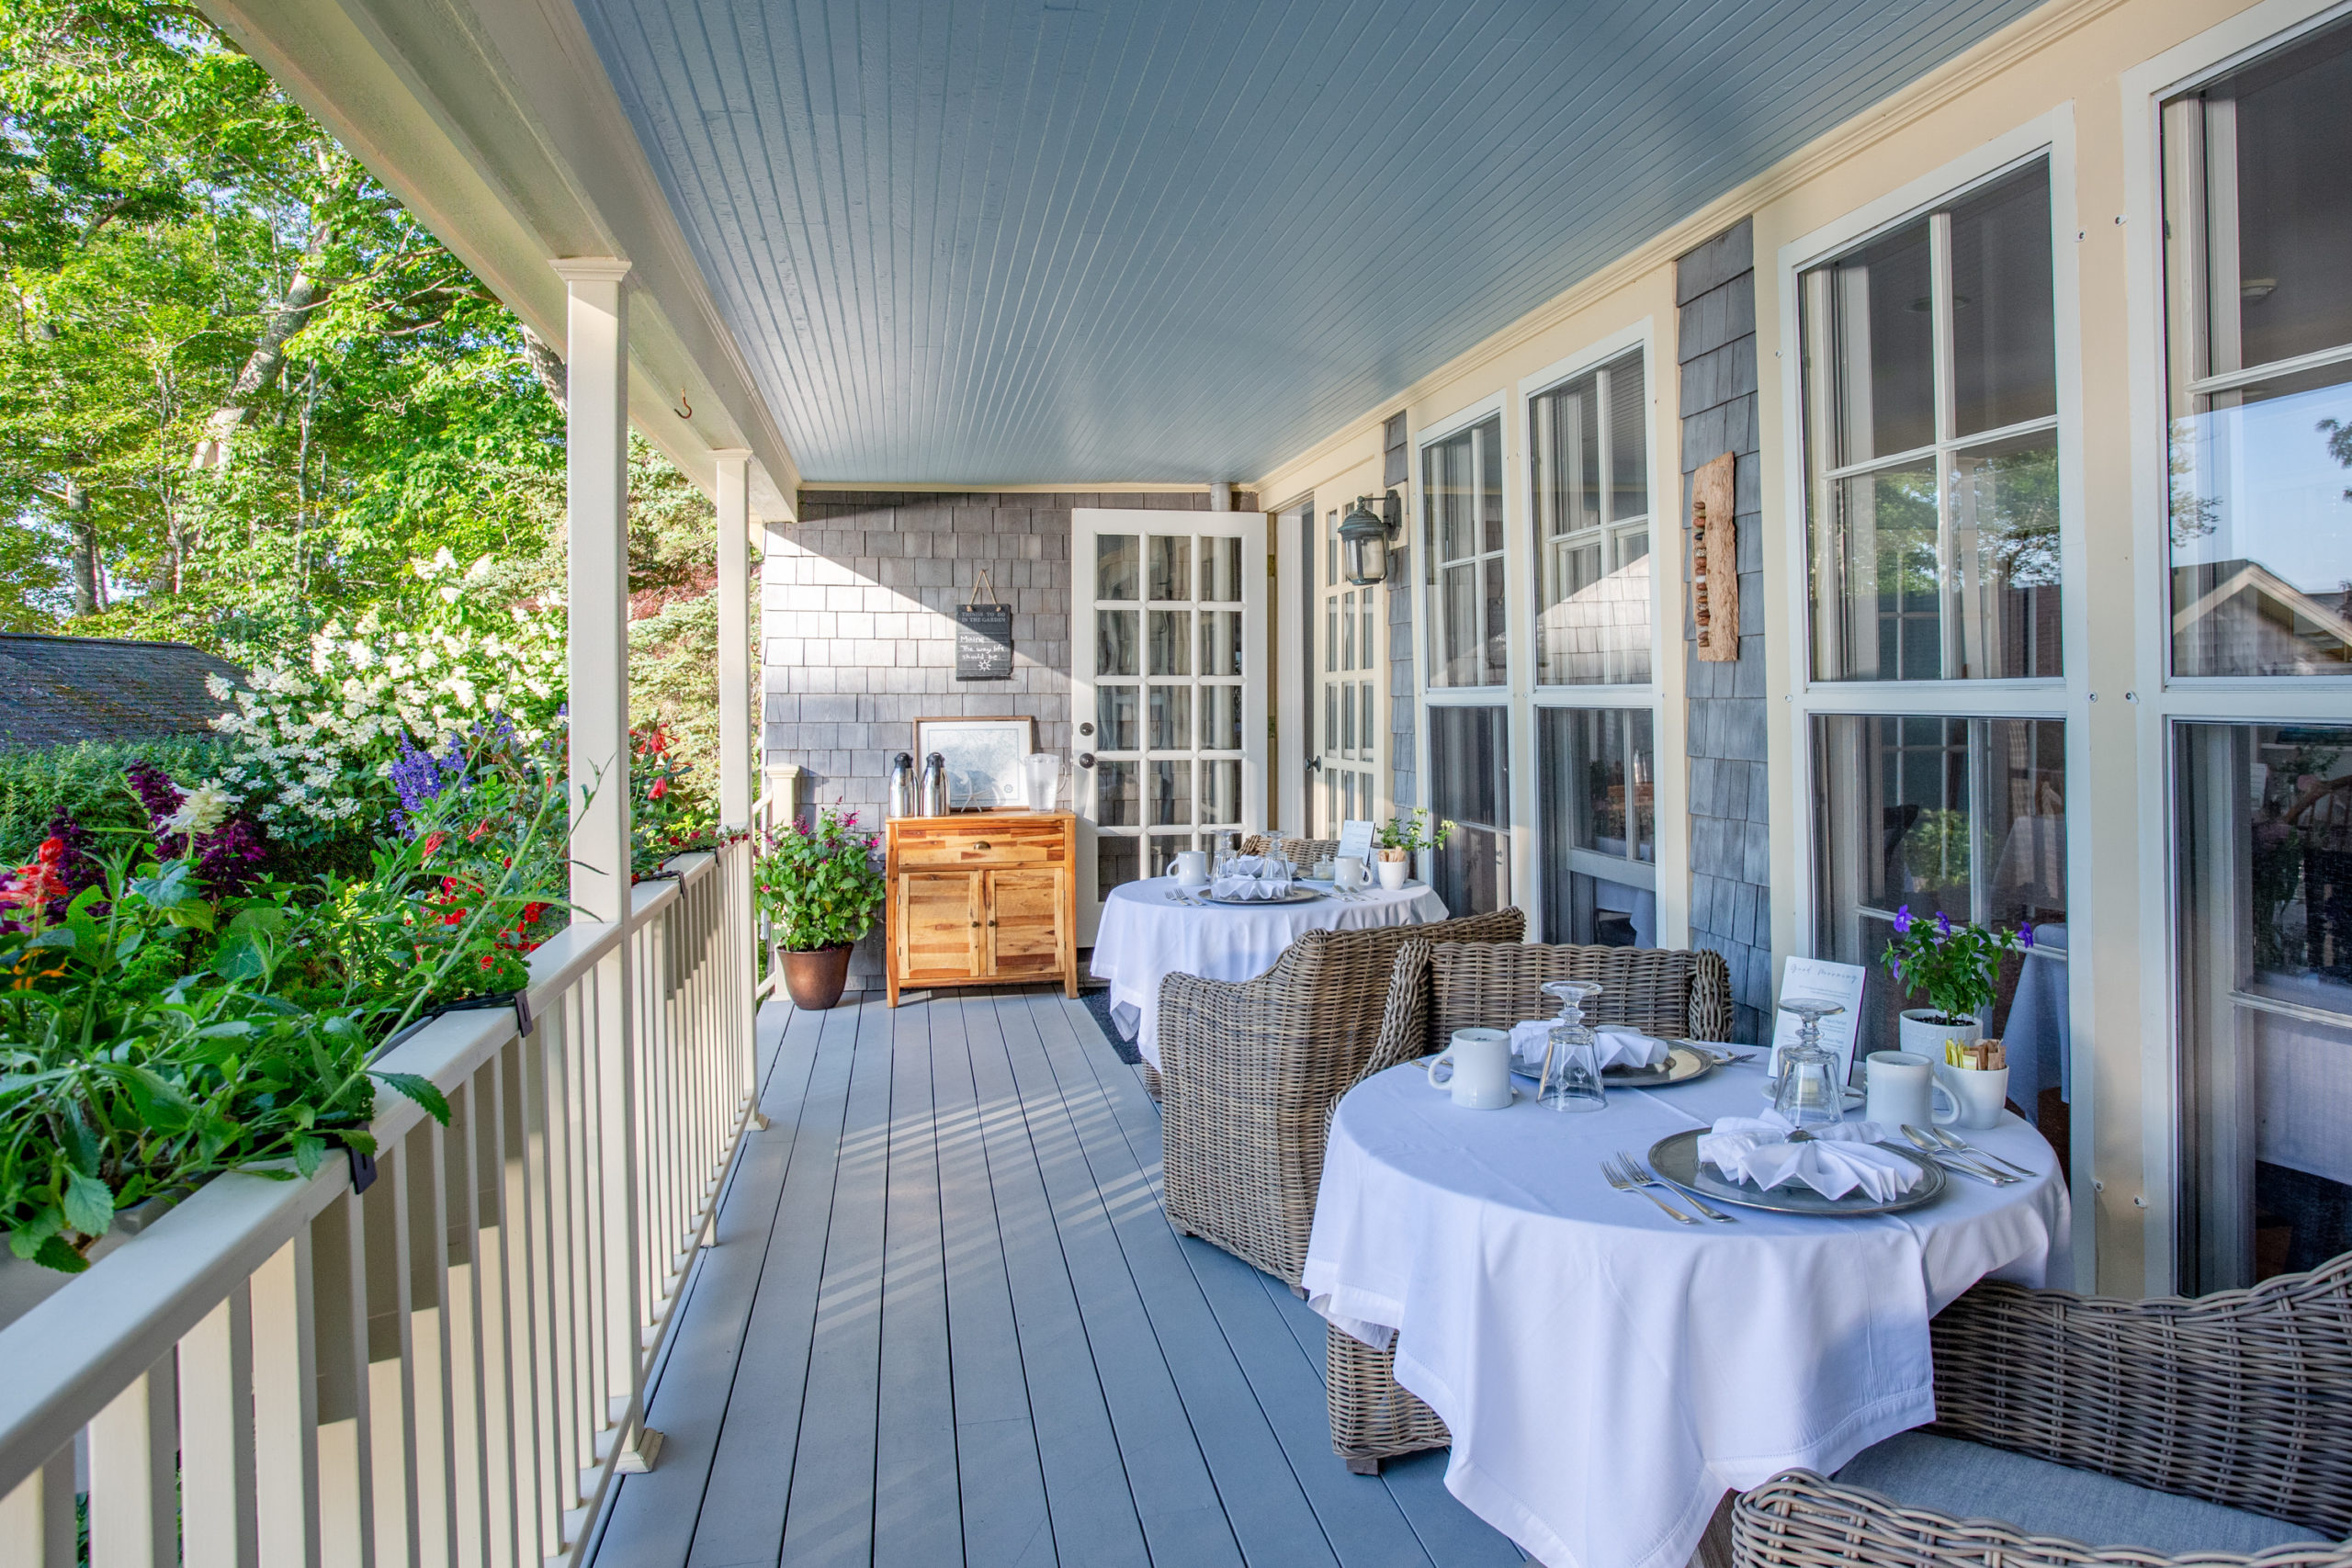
[
  {"x": 903, "y": 785},
  {"x": 934, "y": 785}
]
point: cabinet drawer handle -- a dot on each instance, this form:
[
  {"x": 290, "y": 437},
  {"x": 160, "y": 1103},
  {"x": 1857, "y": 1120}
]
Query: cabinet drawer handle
[{"x": 979, "y": 843}]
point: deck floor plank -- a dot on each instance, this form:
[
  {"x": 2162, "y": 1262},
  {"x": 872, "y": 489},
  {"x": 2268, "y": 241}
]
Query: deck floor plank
[{"x": 946, "y": 1321}]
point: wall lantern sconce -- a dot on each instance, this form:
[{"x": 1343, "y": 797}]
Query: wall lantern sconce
[{"x": 1365, "y": 537}]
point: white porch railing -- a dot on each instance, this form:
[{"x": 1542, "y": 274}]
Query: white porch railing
[{"x": 448, "y": 1369}]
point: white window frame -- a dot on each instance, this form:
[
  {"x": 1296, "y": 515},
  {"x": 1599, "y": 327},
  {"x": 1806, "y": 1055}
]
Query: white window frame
[
  {"x": 1666, "y": 533},
  {"x": 2049, "y": 136},
  {"x": 2163, "y": 700}
]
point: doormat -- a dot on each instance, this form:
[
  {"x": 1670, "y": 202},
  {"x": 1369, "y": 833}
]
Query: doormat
[{"x": 1098, "y": 1003}]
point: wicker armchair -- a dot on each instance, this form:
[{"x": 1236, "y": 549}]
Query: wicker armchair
[
  {"x": 2242, "y": 1400},
  {"x": 1249, "y": 1072},
  {"x": 1437, "y": 990},
  {"x": 1301, "y": 853}
]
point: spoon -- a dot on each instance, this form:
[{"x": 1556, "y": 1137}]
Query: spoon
[
  {"x": 1958, "y": 1146},
  {"x": 1927, "y": 1146}
]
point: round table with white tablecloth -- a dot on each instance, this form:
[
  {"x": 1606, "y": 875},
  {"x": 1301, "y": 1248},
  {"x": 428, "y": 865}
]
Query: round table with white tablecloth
[
  {"x": 1606, "y": 1372},
  {"x": 1146, "y": 935}
]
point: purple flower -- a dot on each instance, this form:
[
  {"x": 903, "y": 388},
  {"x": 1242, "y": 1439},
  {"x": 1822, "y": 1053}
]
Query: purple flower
[
  {"x": 420, "y": 778},
  {"x": 1903, "y": 920},
  {"x": 2025, "y": 935},
  {"x": 1944, "y": 924}
]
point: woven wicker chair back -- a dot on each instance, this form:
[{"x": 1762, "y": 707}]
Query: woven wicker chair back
[
  {"x": 1659, "y": 991},
  {"x": 1301, "y": 853}
]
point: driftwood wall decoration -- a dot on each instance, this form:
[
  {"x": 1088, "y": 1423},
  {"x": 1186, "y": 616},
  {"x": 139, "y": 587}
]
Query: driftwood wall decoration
[{"x": 1714, "y": 562}]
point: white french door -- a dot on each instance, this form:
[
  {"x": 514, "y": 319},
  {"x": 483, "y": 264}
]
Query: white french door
[
  {"x": 1168, "y": 688},
  {"x": 1344, "y": 709}
]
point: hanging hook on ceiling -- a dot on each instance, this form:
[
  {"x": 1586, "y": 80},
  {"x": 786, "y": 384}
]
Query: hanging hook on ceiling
[{"x": 687, "y": 411}]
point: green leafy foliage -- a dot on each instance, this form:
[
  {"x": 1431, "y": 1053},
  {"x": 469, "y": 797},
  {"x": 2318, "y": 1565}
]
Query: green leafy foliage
[
  {"x": 1954, "y": 965},
  {"x": 1411, "y": 831},
  {"x": 819, "y": 887},
  {"x": 85, "y": 780}
]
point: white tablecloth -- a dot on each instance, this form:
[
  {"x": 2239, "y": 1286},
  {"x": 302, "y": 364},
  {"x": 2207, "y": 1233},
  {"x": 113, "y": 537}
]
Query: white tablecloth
[
  {"x": 1145, "y": 936},
  {"x": 1606, "y": 1373}
]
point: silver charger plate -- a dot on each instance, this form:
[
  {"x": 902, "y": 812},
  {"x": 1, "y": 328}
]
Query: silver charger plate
[
  {"x": 1676, "y": 1158},
  {"x": 1682, "y": 1065},
  {"x": 1297, "y": 895}
]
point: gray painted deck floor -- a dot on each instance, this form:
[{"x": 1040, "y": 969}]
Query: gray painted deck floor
[{"x": 946, "y": 1321}]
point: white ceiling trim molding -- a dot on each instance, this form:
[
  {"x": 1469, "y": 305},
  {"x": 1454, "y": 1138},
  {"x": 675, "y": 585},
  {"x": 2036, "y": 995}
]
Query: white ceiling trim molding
[
  {"x": 1970, "y": 69},
  {"x": 494, "y": 124}
]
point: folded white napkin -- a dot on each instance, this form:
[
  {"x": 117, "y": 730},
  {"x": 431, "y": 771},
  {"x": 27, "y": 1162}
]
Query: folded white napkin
[
  {"x": 1619, "y": 1047},
  {"x": 1834, "y": 1162},
  {"x": 1255, "y": 877}
]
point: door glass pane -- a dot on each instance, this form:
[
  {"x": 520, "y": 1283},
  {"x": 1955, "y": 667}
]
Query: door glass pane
[
  {"x": 1172, "y": 647},
  {"x": 1114, "y": 566},
  {"x": 1170, "y": 784},
  {"x": 1115, "y": 794},
  {"x": 1874, "y": 351},
  {"x": 1221, "y": 570},
  {"x": 2005, "y": 541},
  {"x": 1366, "y": 644},
  {"x": 1594, "y": 769},
  {"x": 2004, "y": 334},
  {"x": 1172, "y": 718},
  {"x": 2264, "y": 909},
  {"x": 1114, "y": 717},
  {"x": 1462, "y": 527},
  {"x": 1469, "y": 787},
  {"x": 1364, "y": 692},
  {"x": 1165, "y": 848},
  {"x": 1346, "y": 631},
  {"x": 1963, "y": 818},
  {"x": 1220, "y": 642},
  {"x": 1875, "y": 593},
  {"x": 1346, "y": 724},
  {"x": 1331, "y": 634},
  {"x": 1220, "y": 719},
  {"x": 1330, "y": 716},
  {"x": 1220, "y": 794},
  {"x": 1114, "y": 861},
  {"x": 1114, "y": 642},
  {"x": 1171, "y": 566},
  {"x": 2262, "y": 528}
]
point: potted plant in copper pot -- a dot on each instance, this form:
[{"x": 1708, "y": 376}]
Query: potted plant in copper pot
[{"x": 818, "y": 888}]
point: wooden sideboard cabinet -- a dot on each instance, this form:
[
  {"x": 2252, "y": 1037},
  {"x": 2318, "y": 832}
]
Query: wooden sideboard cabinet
[{"x": 982, "y": 898}]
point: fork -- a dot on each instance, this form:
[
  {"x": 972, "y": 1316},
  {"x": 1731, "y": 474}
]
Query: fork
[
  {"x": 1638, "y": 1172},
  {"x": 1626, "y": 1184},
  {"x": 1960, "y": 1146},
  {"x": 1920, "y": 1139}
]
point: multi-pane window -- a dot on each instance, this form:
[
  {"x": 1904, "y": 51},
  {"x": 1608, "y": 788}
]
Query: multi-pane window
[
  {"x": 1462, "y": 487},
  {"x": 1595, "y": 778},
  {"x": 1963, "y": 818},
  {"x": 1470, "y": 786},
  {"x": 2262, "y": 851},
  {"x": 1931, "y": 445},
  {"x": 1590, "y": 464},
  {"x": 2258, "y": 294},
  {"x": 1347, "y": 747}
]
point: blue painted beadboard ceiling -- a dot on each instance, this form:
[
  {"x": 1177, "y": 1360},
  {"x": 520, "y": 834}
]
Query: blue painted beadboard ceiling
[{"x": 1001, "y": 241}]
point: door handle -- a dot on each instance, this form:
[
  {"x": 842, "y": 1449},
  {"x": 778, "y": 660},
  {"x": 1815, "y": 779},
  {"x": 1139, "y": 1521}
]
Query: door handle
[{"x": 1086, "y": 759}]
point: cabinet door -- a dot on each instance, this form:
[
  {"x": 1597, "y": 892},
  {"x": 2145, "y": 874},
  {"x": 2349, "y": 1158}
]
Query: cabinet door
[
  {"x": 1025, "y": 921},
  {"x": 939, "y": 928}
]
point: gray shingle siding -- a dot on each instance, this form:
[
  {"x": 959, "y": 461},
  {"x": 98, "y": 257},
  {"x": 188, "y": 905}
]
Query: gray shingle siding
[{"x": 1731, "y": 901}]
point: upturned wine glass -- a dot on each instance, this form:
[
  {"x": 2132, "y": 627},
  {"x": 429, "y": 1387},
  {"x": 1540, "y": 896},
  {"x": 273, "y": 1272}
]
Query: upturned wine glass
[
  {"x": 1809, "y": 1094},
  {"x": 1571, "y": 1079}
]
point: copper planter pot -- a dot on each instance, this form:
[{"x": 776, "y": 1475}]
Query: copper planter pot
[{"x": 814, "y": 980}]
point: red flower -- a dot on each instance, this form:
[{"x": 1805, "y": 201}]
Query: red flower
[
  {"x": 661, "y": 787},
  {"x": 53, "y": 850},
  {"x": 532, "y": 911},
  {"x": 479, "y": 829},
  {"x": 432, "y": 841}
]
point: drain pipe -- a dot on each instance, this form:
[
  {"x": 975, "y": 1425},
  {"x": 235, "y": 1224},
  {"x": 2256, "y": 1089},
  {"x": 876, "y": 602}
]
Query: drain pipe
[{"x": 1220, "y": 497}]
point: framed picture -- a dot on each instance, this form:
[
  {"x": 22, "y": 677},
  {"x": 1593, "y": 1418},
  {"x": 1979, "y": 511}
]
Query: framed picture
[{"x": 983, "y": 759}]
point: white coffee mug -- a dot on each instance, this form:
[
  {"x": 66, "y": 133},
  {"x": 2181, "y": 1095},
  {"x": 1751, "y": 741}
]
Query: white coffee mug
[
  {"x": 1478, "y": 1069},
  {"x": 1191, "y": 868},
  {"x": 1348, "y": 872},
  {"x": 1392, "y": 874},
  {"x": 1983, "y": 1093},
  {"x": 1903, "y": 1091}
]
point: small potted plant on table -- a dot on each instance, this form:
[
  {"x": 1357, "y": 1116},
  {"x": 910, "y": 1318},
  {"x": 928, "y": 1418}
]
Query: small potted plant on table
[
  {"x": 818, "y": 888},
  {"x": 1954, "y": 965},
  {"x": 1399, "y": 837}
]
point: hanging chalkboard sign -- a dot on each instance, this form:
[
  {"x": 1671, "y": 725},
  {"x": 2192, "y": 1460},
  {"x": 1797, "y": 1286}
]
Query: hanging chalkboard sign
[{"x": 983, "y": 637}]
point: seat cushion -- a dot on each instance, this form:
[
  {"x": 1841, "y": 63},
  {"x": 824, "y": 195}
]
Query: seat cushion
[{"x": 1969, "y": 1480}]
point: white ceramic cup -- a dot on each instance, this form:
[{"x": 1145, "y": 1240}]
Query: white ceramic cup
[
  {"x": 1478, "y": 1066},
  {"x": 1392, "y": 874},
  {"x": 1903, "y": 1091},
  {"x": 1982, "y": 1093},
  {"x": 1191, "y": 868},
  {"x": 1348, "y": 871}
]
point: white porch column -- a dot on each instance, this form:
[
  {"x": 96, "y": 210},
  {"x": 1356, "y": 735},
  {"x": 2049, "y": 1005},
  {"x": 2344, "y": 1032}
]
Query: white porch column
[
  {"x": 734, "y": 636},
  {"x": 596, "y": 503}
]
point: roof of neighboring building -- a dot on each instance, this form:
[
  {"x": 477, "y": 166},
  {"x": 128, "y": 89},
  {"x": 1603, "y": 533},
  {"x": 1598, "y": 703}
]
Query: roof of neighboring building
[{"x": 56, "y": 690}]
